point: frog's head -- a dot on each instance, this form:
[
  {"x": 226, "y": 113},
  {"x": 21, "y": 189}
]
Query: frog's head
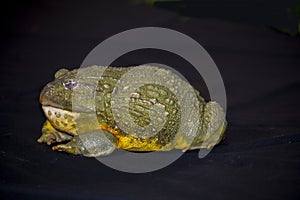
[
  {"x": 58, "y": 93},
  {"x": 69, "y": 96},
  {"x": 70, "y": 91}
]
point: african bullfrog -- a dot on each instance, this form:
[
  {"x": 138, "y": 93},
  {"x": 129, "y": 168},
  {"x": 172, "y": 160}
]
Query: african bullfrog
[{"x": 91, "y": 111}]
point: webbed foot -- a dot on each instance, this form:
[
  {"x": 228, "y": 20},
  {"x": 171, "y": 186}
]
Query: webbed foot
[
  {"x": 50, "y": 135},
  {"x": 92, "y": 144}
]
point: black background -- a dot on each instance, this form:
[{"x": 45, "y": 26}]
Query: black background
[{"x": 259, "y": 63}]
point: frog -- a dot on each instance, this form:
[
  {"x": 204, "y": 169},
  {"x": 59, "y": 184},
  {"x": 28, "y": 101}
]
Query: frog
[{"x": 82, "y": 119}]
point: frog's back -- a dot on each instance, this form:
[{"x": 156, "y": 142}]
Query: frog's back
[{"x": 142, "y": 102}]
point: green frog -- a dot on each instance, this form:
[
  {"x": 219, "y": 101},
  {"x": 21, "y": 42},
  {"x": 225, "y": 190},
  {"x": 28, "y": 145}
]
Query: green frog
[{"x": 82, "y": 116}]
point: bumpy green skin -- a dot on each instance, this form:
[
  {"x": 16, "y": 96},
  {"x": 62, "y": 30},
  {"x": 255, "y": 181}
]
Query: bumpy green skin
[{"x": 84, "y": 111}]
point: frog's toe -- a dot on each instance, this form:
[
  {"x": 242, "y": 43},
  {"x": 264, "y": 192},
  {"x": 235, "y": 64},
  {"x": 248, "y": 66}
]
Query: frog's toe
[
  {"x": 66, "y": 148},
  {"x": 50, "y": 135},
  {"x": 54, "y": 137},
  {"x": 46, "y": 138}
]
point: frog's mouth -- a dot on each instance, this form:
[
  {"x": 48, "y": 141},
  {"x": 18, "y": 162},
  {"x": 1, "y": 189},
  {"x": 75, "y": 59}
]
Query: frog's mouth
[
  {"x": 49, "y": 98},
  {"x": 62, "y": 120},
  {"x": 69, "y": 108}
]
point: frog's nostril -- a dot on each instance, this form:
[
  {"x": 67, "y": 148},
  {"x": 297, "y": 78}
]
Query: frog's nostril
[
  {"x": 46, "y": 91},
  {"x": 42, "y": 95}
]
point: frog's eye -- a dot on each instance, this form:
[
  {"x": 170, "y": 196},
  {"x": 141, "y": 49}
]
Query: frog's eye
[{"x": 70, "y": 84}]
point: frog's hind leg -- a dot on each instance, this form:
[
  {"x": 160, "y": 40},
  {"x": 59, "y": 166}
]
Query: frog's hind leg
[
  {"x": 212, "y": 127},
  {"x": 92, "y": 144},
  {"x": 50, "y": 135}
]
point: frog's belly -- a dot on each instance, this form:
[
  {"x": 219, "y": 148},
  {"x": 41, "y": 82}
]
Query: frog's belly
[{"x": 136, "y": 144}]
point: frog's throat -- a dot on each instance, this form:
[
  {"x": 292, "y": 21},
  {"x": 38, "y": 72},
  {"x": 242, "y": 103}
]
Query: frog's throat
[{"x": 62, "y": 120}]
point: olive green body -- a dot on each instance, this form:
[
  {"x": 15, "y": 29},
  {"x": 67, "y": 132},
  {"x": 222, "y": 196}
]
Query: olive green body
[{"x": 93, "y": 110}]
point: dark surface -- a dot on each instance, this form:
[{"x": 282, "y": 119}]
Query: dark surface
[{"x": 259, "y": 158}]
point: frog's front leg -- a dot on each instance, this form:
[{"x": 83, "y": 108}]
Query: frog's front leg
[
  {"x": 92, "y": 144},
  {"x": 51, "y": 135}
]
